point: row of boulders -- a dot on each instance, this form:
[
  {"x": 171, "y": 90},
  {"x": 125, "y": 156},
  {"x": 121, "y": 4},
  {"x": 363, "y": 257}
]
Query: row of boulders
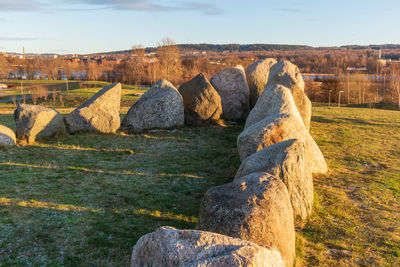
[
  {"x": 101, "y": 113},
  {"x": 196, "y": 102},
  {"x": 272, "y": 191}
]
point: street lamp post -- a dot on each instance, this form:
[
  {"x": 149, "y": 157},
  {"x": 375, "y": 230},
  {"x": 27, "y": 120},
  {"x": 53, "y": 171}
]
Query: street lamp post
[
  {"x": 329, "y": 98},
  {"x": 339, "y": 98}
]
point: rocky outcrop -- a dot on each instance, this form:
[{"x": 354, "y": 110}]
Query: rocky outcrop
[
  {"x": 287, "y": 74},
  {"x": 257, "y": 77},
  {"x": 98, "y": 114},
  {"x": 160, "y": 107},
  {"x": 256, "y": 208},
  {"x": 201, "y": 101},
  {"x": 7, "y": 137},
  {"x": 287, "y": 160},
  {"x": 169, "y": 247},
  {"x": 232, "y": 87},
  {"x": 34, "y": 122}
]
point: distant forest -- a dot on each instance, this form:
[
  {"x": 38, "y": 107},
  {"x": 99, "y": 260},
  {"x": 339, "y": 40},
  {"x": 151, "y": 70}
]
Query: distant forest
[{"x": 218, "y": 48}]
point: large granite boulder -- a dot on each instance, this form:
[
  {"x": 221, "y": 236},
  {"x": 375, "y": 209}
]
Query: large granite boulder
[
  {"x": 161, "y": 107},
  {"x": 201, "y": 101},
  {"x": 34, "y": 122},
  {"x": 232, "y": 86},
  {"x": 7, "y": 137},
  {"x": 257, "y": 77},
  {"x": 275, "y": 99},
  {"x": 255, "y": 208},
  {"x": 169, "y": 247},
  {"x": 288, "y": 161},
  {"x": 100, "y": 113},
  {"x": 275, "y": 129},
  {"x": 287, "y": 74}
]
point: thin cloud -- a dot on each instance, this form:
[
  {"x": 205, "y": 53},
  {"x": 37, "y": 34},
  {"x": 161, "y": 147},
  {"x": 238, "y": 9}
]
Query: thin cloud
[
  {"x": 89, "y": 5},
  {"x": 146, "y": 5},
  {"x": 19, "y": 5},
  {"x": 205, "y": 8},
  {"x": 122, "y": 4},
  {"x": 3, "y": 38}
]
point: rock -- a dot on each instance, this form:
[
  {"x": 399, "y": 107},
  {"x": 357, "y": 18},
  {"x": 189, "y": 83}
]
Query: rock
[
  {"x": 160, "y": 107},
  {"x": 276, "y": 99},
  {"x": 231, "y": 85},
  {"x": 288, "y": 161},
  {"x": 34, "y": 122},
  {"x": 257, "y": 77},
  {"x": 99, "y": 114},
  {"x": 287, "y": 74},
  {"x": 201, "y": 101},
  {"x": 169, "y": 247},
  {"x": 255, "y": 208},
  {"x": 275, "y": 129},
  {"x": 7, "y": 137}
]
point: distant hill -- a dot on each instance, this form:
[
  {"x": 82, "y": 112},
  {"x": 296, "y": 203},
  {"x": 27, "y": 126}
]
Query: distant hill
[
  {"x": 222, "y": 48},
  {"x": 256, "y": 47}
]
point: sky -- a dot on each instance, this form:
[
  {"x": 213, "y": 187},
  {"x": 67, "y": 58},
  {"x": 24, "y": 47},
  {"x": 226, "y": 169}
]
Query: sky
[{"x": 89, "y": 26}]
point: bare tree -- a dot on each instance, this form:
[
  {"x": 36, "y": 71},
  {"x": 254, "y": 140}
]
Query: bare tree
[
  {"x": 168, "y": 53},
  {"x": 4, "y": 67},
  {"x": 135, "y": 65},
  {"x": 395, "y": 72}
]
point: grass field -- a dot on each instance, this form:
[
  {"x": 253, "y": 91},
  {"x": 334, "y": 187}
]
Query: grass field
[{"x": 84, "y": 200}]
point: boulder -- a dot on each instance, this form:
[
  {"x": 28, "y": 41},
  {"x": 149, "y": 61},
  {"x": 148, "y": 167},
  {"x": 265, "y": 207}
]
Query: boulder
[
  {"x": 255, "y": 208},
  {"x": 7, "y": 137},
  {"x": 170, "y": 247},
  {"x": 275, "y": 129},
  {"x": 99, "y": 114},
  {"x": 288, "y": 161},
  {"x": 34, "y": 122},
  {"x": 274, "y": 100},
  {"x": 257, "y": 77},
  {"x": 201, "y": 101},
  {"x": 287, "y": 74},
  {"x": 232, "y": 87},
  {"x": 161, "y": 107}
]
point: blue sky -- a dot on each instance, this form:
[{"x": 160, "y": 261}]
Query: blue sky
[{"x": 87, "y": 26}]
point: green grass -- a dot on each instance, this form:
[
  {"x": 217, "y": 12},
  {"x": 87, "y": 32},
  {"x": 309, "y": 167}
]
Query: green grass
[{"x": 84, "y": 200}]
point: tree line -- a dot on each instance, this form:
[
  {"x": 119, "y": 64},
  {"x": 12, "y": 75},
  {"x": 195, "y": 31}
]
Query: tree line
[{"x": 178, "y": 63}]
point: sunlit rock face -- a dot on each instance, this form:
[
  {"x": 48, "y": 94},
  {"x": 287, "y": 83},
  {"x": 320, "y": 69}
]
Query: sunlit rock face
[
  {"x": 34, "y": 122},
  {"x": 170, "y": 247},
  {"x": 161, "y": 107},
  {"x": 98, "y": 114}
]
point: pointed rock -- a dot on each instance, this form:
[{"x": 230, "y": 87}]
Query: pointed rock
[
  {"x": 274, "y": 100},
  {"x": 98, "y": 114},
  {"x": 275, "y": 129},
  {"x": 287, "y": 74},
  {"x": 257, "y": 78},
  {"x": 201, "y": 101}
]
